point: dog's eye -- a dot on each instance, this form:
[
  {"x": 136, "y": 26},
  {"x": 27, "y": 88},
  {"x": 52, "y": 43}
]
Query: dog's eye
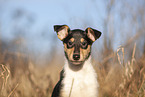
[
  {"x": 70, "y": 44},
  {"x": 84, "y": 44}
]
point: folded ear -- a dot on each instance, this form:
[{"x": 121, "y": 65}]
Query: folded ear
[
  {"x": 93, "y": 34},
  {"x": 62, "y": 31}
]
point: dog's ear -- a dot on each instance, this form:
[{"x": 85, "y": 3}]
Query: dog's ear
[
  {"x": 93, "y": 34},
  {"x": 62, "y": 31}
]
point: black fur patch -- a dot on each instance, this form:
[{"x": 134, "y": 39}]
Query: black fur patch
[
  {"x": 80, "y": 34},
  {"x": 59, "y": 85}
]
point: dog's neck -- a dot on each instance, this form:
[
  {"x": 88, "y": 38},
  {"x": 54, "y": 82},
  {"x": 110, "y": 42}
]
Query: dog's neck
[{"x": 85, "y": 81}]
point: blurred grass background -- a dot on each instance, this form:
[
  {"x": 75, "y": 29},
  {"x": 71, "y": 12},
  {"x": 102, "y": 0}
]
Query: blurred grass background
[{"x": 31, "y": 56}]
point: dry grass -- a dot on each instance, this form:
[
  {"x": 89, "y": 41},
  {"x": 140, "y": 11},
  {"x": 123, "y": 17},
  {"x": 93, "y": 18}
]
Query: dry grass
[
  {"x": 123, "y": 79},
  {"x": 35, "y": 82},
  {"x": 117, "y": 77}
]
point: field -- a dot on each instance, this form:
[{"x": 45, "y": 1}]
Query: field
[
  {"x": 26, "y": 26},
  {"x": 118, "y": 75}
]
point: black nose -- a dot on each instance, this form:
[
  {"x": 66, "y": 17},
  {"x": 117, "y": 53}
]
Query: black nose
[{"x": 76, "y": 56}]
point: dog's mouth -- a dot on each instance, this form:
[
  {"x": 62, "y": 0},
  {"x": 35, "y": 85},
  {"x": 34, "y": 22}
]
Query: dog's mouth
[
  {"x": 76, "y": 65},
  {"x": 76, "y": 62}
]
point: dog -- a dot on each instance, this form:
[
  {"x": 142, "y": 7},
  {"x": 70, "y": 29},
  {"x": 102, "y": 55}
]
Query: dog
[{"x": 78, "y": 77}]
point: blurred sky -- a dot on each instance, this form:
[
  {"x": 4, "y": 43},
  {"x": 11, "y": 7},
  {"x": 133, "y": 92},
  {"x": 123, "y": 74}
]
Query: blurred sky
[
  {"x": 44, "y": 14},
  {"x": 34, "y": 19}
]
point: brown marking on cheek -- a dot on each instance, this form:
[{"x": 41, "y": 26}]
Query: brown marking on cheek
[
  {"x": 82, "y": 39},
  {"x": 69, "y": 52},
  {"x": 84, "y": 53},
  {"x": 72, "y": 39},
  {"x": 65, "y": 46}
]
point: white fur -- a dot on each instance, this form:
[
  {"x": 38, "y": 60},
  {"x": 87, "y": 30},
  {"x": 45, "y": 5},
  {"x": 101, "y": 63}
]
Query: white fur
[{"x": 85, "y": 81}]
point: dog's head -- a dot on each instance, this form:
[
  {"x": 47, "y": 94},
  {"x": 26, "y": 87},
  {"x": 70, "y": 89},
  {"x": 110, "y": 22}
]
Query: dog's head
[{"x": 77, "y": 43}]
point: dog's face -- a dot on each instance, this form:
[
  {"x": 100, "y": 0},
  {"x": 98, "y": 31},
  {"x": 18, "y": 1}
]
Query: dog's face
[{"x": 77, "y": 43}]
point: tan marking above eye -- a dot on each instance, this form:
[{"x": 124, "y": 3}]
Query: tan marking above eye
[
  {"x": 72, "y": 39},
  {"x": 82, "y": 39}
]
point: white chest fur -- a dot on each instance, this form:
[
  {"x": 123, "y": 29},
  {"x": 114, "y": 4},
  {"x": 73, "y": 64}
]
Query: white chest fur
[{"x": 85, "y": 81}]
